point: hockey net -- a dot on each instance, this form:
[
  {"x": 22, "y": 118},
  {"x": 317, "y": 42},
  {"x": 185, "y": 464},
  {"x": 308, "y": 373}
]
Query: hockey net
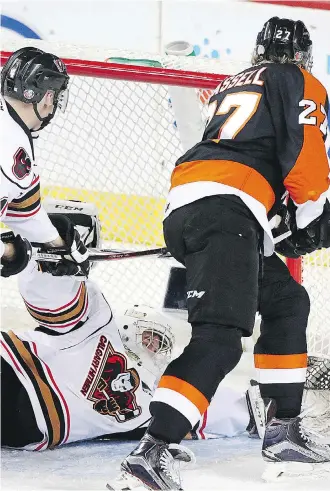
[{"x": 116, "y": 146}]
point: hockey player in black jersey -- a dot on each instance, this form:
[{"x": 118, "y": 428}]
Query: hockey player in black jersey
[{"x": 266, "y": 136}]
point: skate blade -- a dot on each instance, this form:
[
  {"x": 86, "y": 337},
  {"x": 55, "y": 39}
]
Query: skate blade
[
  {"x": 279, "y": 470},
  {"x": 126, "y": 482}
]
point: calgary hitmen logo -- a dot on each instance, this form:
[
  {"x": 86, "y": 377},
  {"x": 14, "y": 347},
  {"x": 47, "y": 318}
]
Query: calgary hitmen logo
[
  {"x": 110, "y": 385},
  {"x": 22, "y": 164}
]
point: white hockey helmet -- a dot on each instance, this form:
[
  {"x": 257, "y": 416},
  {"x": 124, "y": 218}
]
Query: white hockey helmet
[
  {"x": 83, "y": 215},
  {"x": 147, "y": 336}
]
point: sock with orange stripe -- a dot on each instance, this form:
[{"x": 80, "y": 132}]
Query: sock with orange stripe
[
  {"x": 282, "y": 378},
  {"x": 189, "y": 382}
]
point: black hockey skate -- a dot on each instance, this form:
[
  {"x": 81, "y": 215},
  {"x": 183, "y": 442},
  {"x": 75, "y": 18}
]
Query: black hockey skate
[
  {"x": 154, "y": 464},
  {"x": 289, "y": 450},
  {"x": 260, "y": 410}
]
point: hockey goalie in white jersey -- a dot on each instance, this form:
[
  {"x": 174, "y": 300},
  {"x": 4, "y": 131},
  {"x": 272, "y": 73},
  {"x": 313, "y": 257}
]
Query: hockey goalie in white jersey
[{"x": 83, "y": 373}]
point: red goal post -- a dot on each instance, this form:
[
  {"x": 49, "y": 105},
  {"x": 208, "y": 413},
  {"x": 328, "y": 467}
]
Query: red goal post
[
  {"x": 295, "y": 268},
  {"x": 137, "y": 73}
]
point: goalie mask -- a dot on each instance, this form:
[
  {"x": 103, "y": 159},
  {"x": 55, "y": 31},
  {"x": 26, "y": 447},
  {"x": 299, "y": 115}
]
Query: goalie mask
[
  {"x": 147, "y": 337},
  {"x": 284, "y": 41},
  {"x": 83, "y": 215}
]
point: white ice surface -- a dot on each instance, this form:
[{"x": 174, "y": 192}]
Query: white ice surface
[{"x": 225, "y": 464}]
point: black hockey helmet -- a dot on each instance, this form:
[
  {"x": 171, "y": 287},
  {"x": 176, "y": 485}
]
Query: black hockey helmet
[
  {"x": 29, "y": 73},
  {"x": 284, "y": 41}
]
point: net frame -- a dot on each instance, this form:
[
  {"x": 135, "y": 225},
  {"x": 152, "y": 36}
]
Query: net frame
[{"x": 136, "y": 73}]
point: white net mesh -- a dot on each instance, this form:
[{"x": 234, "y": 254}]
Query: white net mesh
[
  {"x": 316, "y": 279},
  {"x": 316, "y": 403}
]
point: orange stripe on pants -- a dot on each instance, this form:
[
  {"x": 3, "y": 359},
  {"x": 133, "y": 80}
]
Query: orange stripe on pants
[
  {"x": 187, "y": 390},
  {"x": 280, "y": 361}
]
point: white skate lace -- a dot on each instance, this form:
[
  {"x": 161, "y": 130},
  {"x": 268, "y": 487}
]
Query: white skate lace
[{"x": 170, "y": 467}]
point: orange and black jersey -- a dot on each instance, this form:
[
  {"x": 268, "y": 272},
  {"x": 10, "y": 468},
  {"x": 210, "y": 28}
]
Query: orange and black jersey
[{"x": 267, "y": 132}]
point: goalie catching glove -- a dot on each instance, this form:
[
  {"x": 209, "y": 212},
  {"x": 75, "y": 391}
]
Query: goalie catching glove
[
  {"x": 304, "y": 241},
  {"x": 22, "y": 254}
]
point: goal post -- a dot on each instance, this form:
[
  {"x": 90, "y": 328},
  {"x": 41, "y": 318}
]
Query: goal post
[{"x": 295, "y": 268}]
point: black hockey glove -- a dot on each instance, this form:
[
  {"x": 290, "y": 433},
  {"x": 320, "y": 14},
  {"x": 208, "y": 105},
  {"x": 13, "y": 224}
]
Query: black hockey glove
[
  {"x": 304, "y": 241},
  {"x": 75, "y": 255},
  {"x": 316, "y": 235},
  {"x": 287, "y": 248},
  {"x": 23, "y": 254}
]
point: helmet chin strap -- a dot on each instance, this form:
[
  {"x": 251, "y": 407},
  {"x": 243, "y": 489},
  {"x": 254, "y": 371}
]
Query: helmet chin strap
[{"x": 46, "y": 120}]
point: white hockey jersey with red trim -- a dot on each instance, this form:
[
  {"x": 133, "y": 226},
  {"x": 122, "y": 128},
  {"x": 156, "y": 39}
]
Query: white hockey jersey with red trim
[
  {"x": 19, "y": 184},
  {"x": 81, "y": 381}
]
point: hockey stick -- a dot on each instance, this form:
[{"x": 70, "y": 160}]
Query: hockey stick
[{"x": 56, "y": 254}]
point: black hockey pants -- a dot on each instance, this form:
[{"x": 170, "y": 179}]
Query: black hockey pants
[
  {"x": 218, "y": 240},
  {"x": 18, "y": 424}
]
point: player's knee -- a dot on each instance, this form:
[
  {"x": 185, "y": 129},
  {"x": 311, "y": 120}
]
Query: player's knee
[
  {"x": 290, "y": 304},
  {"x": 284, "y": 324},
  {"x": 213, "y": 352},
  {"x": 220, "y": 344},
  {"x": 300, "y": 303},
  {"x": 305, "y": 303}
]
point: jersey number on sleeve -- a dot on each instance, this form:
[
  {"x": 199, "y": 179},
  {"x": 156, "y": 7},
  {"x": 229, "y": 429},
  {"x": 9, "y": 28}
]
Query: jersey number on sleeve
[
  {"x": 22, "y": 164},
  {"x": 245, "y": 104},
  {"x": 306, "y": 118}
]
